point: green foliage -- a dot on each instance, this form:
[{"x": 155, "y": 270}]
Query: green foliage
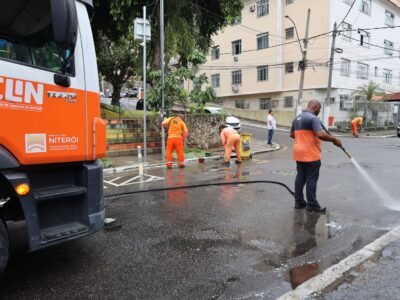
[
  {"x": 117, "y": 61},
  {"x": 367, "y": 91},
  {"x": 189, "y": 25}
]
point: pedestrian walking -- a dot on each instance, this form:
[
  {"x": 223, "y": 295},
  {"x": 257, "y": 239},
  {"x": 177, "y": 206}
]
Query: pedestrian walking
[
  {"x": 230, "y": 138},
  {"x": 357, "y": 121},
  {"x": 307, "y": 132},
  {"x": 177, "y": 132},
  {"x": 271, "y": 126}
]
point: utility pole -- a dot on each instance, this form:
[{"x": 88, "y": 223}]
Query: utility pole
[
  {"x": 327, "y": 108},
  {"x": 303, "y": 65},
  {"x": 162, "y": 75}
]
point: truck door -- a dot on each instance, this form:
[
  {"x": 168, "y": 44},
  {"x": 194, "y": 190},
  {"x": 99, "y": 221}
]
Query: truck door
[{"x": 43, "y": 105}]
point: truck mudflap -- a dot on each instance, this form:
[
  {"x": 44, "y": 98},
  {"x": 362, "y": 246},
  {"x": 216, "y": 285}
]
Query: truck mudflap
[{"x": 65, "y": 201}]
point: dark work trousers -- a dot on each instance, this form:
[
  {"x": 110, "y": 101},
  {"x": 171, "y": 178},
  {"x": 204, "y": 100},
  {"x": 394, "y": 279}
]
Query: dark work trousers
[
  {"x": 307, "y": 174},
  {"x": 270, "y": 134}
]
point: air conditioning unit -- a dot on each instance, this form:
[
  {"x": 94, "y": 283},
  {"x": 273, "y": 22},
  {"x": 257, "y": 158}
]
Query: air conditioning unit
[
  {"x": 252, "y": 8},
  {"x": 235, "y": 58},
  {"x": 235, "y": 88}
]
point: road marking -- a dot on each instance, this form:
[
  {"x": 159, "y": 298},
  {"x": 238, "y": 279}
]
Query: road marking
[{"x": 129, "y": 180}]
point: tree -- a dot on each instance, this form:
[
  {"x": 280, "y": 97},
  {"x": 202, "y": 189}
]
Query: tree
[
  {"x": 117, "y": 61},
  {"x": 189, "y": 25},
  {"x": 367, "y": 91}
]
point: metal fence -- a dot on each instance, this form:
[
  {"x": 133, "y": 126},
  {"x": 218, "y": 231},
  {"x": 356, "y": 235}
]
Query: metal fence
[{"x": 379, "y": 115}]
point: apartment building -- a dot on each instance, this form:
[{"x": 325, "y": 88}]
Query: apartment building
[{"x": 254, "y": 65}]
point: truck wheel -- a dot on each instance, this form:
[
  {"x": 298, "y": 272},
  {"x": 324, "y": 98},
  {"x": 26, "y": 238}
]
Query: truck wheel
[{"x": 4, "y": 246}]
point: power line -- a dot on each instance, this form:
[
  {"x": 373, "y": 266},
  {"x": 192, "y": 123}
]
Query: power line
[{"x": 347, "y": 13}]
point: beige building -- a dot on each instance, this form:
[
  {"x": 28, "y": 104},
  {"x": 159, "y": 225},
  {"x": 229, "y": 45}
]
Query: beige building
[{"x": 254, "y": 64}]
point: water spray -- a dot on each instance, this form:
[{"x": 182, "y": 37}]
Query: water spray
[{"x": 341, "y": 147}]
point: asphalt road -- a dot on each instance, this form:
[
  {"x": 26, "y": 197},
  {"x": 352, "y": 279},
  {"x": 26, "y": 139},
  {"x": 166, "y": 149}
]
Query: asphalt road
[{"x": 216, "y": 242}]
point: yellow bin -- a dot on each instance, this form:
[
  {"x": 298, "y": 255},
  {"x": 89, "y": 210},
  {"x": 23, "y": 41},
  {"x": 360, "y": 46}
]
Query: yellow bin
[{"x": 245, "y": 150}]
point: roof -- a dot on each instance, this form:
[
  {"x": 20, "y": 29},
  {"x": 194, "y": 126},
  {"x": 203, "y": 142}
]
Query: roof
[{"x": 394, "y": 97}]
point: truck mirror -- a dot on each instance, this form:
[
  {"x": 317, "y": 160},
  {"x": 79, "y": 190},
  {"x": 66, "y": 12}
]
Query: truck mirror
[{"x": 65, "y": 23}]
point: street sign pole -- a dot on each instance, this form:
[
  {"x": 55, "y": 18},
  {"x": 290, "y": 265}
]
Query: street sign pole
[
  {"x": 144, "y": 85},
  {"x": 162, "y": 75}
]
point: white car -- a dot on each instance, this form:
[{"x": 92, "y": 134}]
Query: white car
[{"x": 229, "y": 119}]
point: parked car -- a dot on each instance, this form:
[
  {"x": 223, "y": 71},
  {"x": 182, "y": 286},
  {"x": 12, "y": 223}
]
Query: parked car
[
  {"x": 132, "y": 92},
  {"x": 229, "y": 119},
  {"x": 398, "y": 129}
]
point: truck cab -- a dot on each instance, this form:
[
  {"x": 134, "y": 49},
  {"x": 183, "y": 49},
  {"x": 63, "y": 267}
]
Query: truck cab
[{"x": 52, "y": 135}]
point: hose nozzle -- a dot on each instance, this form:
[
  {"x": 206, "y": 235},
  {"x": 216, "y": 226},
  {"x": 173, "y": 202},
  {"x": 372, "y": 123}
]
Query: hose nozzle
[{"x": 344, "y": 150}]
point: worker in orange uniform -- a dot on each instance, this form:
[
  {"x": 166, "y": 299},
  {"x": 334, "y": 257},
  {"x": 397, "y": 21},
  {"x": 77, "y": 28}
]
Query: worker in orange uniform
[
  {"x": 177, "y": 132},
  {"x": 230, "y": 138},
  {"x": 354, "y": 124}
]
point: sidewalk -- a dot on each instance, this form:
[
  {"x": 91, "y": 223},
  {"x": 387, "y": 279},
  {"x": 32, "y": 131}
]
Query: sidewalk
[
  {"x": 370, "y": 273},
  {"x": 376, "y": 280}
]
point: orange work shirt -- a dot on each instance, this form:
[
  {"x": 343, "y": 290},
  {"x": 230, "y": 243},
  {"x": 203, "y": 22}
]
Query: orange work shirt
[
  {"x": 176, "y": 127},
  {"x": 307, "y": 146}
]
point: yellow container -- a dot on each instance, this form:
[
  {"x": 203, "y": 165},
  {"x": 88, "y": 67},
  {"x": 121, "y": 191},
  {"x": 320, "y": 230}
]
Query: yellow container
[{"x": 245, "y": 150}]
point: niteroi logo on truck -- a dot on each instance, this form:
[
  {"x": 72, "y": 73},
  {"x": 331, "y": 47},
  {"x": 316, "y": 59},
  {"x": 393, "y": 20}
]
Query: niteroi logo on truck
[{"x": 21, "y": 95}]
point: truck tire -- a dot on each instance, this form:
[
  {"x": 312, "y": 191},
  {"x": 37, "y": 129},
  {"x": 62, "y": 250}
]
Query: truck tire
[{"x": 4, "y": 246}]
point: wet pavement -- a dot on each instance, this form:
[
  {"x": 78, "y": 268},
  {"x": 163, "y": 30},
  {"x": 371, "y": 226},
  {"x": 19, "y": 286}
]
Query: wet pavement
[{"x": 240, "y": 241}]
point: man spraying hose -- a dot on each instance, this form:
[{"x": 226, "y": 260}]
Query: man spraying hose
[
  {"x": 307, "y": 132},
  {"x": 354, "y": 124},
  {"x": 177, "y": 132},
  {"x": 230, "y": 138}
]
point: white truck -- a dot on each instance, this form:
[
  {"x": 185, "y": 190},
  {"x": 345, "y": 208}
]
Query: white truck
[{"x": 52, "y": 135}]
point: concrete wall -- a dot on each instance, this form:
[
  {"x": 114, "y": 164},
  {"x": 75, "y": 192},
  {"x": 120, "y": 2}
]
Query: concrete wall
[
  {"x": 283, "y": 118},
  {"x": 203, "y": 130}
]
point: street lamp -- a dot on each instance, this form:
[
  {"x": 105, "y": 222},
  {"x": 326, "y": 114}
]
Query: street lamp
[
  {"x": 297, "y": 34},
  {"x": 303, "y": 62}
]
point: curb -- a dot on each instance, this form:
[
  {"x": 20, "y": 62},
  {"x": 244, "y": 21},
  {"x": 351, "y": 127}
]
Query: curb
[
  {"x": 117, "y": 170},
  {"x": 337, "y": 274}
]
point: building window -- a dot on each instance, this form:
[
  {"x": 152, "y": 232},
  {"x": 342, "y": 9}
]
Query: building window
[
  {"x": 236, "y": 77},
  {"x": 236, "y": 47},
  {"x": 344, "y": 102},
  {"x": 376, "y": 71},
  {"x": 275, "y": 103},
  {"x": 289, "y": 2},
  {"x": 365, "y": 38},
  {"x": 215, "y": 53},
  {"x": 345, "y": 67},
  {"x": 239, "y": 104},
  {"x": 262, "y": 73},
  {"x": 346, "y": 35},
  {"x": 219, "y": 101},
  {"x": 215, "y": 80},
  {"x": 362, "y": 71},
  {"x": 289, "y": 67},
  {"x": 389, "y": 18},
  {"x": 388, "y": 47},
  {"x": 387, "y": 76},
  {"x": 289, "y": 33},
  {"x": 366, "y": 7},
  {"x": 262, "y": 40},
  {"x": 288, "y": 101},
  {"x": 265, "y": 103},
  {"x": 262, "y": 8}
]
